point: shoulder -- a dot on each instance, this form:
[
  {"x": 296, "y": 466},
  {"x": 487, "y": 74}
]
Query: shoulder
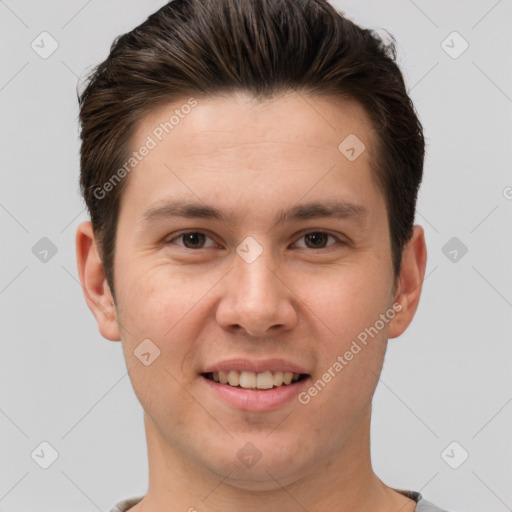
[
  {"x": 125, "y": 505},
  {"x": 422, "y": 505},
  {"x": 426, "y": 506}
]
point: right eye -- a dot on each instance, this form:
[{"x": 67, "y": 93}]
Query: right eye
[{"x": 191, "y": 239}]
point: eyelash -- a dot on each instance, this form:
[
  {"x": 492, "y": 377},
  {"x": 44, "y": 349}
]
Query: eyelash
[{"x": 183, "y": 233}]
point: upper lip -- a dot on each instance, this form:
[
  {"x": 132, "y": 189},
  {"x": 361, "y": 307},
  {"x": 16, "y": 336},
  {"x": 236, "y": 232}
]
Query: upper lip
[{"x": 257, "y": 366}]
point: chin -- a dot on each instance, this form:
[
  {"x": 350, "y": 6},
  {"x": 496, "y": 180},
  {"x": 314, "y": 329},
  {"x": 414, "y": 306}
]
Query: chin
[{"x": 258, "y": 463}]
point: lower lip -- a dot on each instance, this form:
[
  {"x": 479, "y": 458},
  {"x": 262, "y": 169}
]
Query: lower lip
[{"x": 253, "y": 399}]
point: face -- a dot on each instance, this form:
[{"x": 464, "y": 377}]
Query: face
[{"x": 250, "y": 247}]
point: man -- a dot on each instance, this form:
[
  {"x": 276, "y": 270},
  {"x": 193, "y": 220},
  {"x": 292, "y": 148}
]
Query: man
[{"x": 251, "y": 169}]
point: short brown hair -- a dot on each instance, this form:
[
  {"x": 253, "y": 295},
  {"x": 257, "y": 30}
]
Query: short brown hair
[{"x": 264, "y": 47}]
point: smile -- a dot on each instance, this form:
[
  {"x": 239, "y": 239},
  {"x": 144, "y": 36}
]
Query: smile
[{"x": 252, "y": 380}]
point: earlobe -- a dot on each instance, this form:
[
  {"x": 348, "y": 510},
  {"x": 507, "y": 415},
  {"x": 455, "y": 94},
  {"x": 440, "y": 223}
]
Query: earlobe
[
  {"x": 412, "y": 274},
  {"x": 94, "y": 285}
]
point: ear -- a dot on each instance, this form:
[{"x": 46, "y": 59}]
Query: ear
[
  {"x": 94, "y": 284},
  {"x": 412, "y": 274}
]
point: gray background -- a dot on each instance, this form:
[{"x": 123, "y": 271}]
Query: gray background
[{"x": 448, "y": 378}]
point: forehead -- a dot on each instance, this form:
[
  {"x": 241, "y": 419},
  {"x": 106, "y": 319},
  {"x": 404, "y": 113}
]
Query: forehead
[
  {"x": 280, "y": 149},
  {"x": 320, "y": 123}
]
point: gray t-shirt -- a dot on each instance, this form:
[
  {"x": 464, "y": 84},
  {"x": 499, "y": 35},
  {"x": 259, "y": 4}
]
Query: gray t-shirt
[{"x": 422, "y": 505}]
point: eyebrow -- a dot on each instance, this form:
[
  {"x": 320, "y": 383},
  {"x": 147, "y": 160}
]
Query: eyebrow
[{"x": 312, "y": 210}]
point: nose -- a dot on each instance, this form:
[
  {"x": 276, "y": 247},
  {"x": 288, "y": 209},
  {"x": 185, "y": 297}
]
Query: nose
[{"x": 256, "y": 299}]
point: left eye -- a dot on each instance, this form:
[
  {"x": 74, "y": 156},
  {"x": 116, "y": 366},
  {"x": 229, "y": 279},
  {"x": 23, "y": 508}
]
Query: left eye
[
  {"x": 317, "y": 237},
  {"x": 193, "y": 239}
]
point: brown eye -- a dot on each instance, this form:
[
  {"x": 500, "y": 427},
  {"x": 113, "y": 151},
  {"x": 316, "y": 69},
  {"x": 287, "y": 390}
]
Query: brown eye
[
  {"x": 317, "y": 239},
  {"x": 194, "y": 239},
  {"x": 190, "y": 240}
]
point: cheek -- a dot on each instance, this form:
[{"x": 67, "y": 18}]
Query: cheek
[
  {"x": 164, "y": 308},
  {"x": 158, "y": 306},
  {"x": 157, "y": 300},
  {"x": 347, "y": 310},
  {"x": 347, "y": 302}
]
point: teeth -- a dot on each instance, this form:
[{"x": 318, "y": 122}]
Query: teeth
[
  {"x": 251, "y": 380},
  {"x": 247, "y": 380},
  {"x": 278, "y": 378},
  {"x": 234, "y": 378},
  {"x": 264, "y": 380}
]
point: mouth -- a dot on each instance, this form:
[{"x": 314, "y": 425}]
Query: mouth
[{"x": 262, "y": 381}]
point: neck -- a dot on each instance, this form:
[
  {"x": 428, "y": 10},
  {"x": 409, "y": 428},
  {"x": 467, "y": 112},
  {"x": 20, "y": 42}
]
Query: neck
[{"x": 344, "y": 482}]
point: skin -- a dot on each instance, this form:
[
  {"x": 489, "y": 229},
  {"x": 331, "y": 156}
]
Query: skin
[{"x": 301, "y": 300}]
